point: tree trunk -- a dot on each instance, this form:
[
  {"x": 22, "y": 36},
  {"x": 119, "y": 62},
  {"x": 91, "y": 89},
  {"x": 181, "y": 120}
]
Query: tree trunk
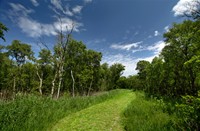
[
  {"x": 90, "y": 87},
  {"x": 41, "y": 82},
  {"x": 53, "y": 85},
  {"x": 73, "y": 83},
  {"x": 60, "y": 80},
  {"x": 14, "y": 87}
]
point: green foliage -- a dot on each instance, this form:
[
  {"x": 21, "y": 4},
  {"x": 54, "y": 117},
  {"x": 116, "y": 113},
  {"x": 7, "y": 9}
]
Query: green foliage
[
  {"x": 39, "y": 113},
  {"x": 2, "y": 29},
  {"x": 20, "y": 51},
  {"x": 176, "y": 71},
  {"x": 188, "y": 112},
  {"x": 147, "y": 115}
]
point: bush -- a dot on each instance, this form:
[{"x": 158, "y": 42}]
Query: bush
[{"x": 188, "y": 112}]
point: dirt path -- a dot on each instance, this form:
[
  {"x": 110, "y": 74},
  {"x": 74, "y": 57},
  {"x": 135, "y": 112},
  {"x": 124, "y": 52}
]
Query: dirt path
[{"x": 105, "y": 116}]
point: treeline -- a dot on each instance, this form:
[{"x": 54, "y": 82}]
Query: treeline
[
  {"x": 174, "y": 76},
  {"x": 70, "y": 69},
  {"x": 176, "y": 72}
]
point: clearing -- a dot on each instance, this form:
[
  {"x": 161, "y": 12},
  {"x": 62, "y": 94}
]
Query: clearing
[{"x": 105, "y": 116}]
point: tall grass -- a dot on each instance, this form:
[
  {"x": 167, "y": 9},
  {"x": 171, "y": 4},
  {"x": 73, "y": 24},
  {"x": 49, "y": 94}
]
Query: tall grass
[
  {"x": 34, "y": 113},
  {"x": 147, "y": 115}
]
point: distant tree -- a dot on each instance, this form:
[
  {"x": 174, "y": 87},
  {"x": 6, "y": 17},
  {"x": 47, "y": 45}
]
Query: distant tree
[
  {"x": 104, "y": 77},
  {"x": 116, "y": 71},
  {"x": 2, "y": 29},
  {"x": 20, "y": 52},
  {"x": 141, "y": 67}
]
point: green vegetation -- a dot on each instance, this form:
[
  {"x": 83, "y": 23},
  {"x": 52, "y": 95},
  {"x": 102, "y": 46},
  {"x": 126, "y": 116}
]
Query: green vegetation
[
  {"x": 29, "y": 85},
  {"x": 147, "y": 115},
  {"x": 39, "y": 113},
  {"x": 3, "y": 28},
  {"x": 100, "y": 117}
]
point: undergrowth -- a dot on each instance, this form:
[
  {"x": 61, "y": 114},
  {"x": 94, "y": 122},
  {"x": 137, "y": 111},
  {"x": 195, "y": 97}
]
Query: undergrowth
[
  {"x": 147, "y": 115},
  {"x": 33, "y": 113}
]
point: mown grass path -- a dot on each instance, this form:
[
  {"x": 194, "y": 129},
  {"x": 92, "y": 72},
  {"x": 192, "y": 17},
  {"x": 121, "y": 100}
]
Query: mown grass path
[{"x": 105, "y": 116}]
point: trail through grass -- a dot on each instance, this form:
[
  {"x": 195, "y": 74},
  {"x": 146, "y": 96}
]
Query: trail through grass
[{"x": 101, "y": 117}]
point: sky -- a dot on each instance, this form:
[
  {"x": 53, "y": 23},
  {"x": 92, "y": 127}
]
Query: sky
[{"x": 125, "y": 31}]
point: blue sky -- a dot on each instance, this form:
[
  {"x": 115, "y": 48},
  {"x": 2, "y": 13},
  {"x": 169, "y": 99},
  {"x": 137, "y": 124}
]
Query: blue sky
[{"x": 125, "y": 31}]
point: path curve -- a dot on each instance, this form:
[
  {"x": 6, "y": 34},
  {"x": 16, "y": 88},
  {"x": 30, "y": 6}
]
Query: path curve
[{"x": 105, "y": 116}]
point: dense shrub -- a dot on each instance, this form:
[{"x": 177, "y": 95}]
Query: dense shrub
[{"x": 188, "y": 112}]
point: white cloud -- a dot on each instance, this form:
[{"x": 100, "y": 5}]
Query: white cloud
[
  {"x": 156, "y": 47},
  {"x": 77, "y": 9},
  {"x": 19, "y": 10},
  {"x": 59, "y": 9},
  {"x": 130, "y": 62},
  {"x": 20, "y": 15},
  {"x": 67, "y": 25},
  {"x": 38, "y": 29},
  {"x": 34, "y": 2},
  {"x": 156, "y": 33},
  {"x": 185, "y": 7},
  {"x": 126, "y": 46},
  {"x": 57, "y": 4}
]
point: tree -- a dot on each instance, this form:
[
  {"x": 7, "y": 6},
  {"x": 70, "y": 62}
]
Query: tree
[
  {"x": 42, "y": 65},
  {"x": 74, "y": 61},
  {"x": 20, "y": 52},
  {"x": 183, "y": 43},
  {"x": 91, "y": 69},
  {"x": 2, "y": 29},
  {"x": 104, "y": 77},
  {"x": 116, "y": 71},
  {"x": 60, "y": 56}
]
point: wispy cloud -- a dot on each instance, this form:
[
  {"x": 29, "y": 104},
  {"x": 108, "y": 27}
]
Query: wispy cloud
[
  {"x": 58, "y": 8},
  {"x": 185, "y": 7},
  {"x": 20, "y": 15},
  {"x": 77, "y": 9},
  {"x": 19, "y": 10},
  {"x": 156, "y": 33},
  {"x": 156, "y": 48},
  {"x": 34, "y": 2},
  {"x": 125, "y": 46},
  {"x": 57, "y": 4}
]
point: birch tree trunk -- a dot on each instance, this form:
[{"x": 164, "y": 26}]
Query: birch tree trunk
[
  {"x": 41, "y": 81},
  {"x": 53, "y": 84},
  {"x": 60, "y": 80},
  {"x": 72, "y": 83}
]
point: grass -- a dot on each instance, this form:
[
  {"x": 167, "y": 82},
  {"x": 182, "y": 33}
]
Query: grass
[
  {"x": 101, "y": 117},
  {"x": 35, "y": 113},
  {"x": 146, "y": 115}
]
